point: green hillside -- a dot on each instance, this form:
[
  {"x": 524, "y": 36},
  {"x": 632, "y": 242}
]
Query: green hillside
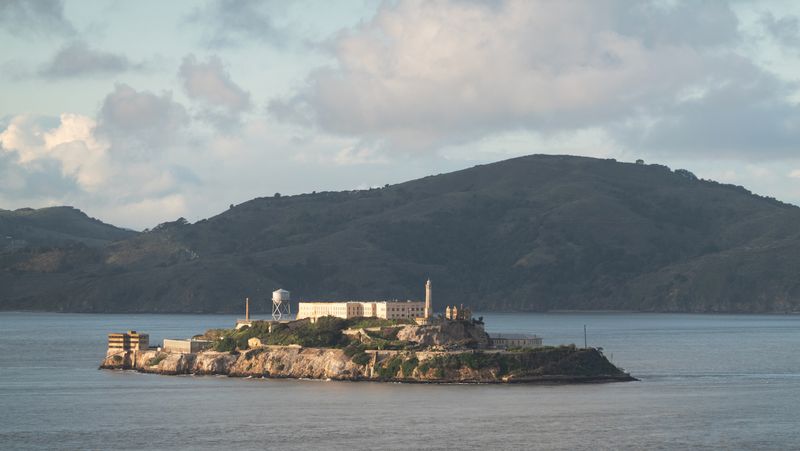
[
  {"x": 534, "y": 233},
  {"x": 54, "y": 226}
]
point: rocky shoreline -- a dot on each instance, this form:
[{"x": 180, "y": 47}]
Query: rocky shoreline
[{"x": 553, "y": 365}]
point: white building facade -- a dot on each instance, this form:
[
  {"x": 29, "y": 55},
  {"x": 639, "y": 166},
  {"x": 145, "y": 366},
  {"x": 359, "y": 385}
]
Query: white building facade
[{"x": 355, "y": 309}]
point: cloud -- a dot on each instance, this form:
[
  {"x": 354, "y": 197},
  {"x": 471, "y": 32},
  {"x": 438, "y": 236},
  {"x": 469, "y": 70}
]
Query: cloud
[
  {"x": 423, "y": 75},
  {"x": 140, "y": 123},
  {"x": 72, "y": 144},
  {"x": 230, "y": 22},
  {"x": 68, "y": 160},
  {"x": 24, "y": 183},
  {"x": 34, "y": 17},
  {"x": 79, "y": 60},
  {"x": 785, "y": 30},
  {"x": 746, "y": 117},
  {"x": 209, "y": 83}
]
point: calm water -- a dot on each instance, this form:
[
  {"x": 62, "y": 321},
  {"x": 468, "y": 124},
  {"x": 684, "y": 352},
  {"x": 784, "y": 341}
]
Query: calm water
[{"x": 708, "y": 382}]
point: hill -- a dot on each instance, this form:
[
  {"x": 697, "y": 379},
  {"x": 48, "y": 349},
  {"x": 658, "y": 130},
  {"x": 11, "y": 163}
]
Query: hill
[
  {"x": 534, "y": 233},
  {"x": 54, "y": 226}
]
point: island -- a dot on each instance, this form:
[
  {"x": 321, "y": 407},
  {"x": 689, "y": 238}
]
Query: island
[
  {"x": 390, "y": 341},
  {"x": 362, "y": 349}
]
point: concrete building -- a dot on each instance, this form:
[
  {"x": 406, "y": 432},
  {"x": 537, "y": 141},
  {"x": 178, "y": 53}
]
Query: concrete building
[
  {"x": 416, "y": 310},
  {"x": 355, "y": 309},
  {"x": 505, "y": 341},
  {"x": 127, "y": 341},
  {"x": 457, "y": 314},
  {"x": 187, "y": 346}
]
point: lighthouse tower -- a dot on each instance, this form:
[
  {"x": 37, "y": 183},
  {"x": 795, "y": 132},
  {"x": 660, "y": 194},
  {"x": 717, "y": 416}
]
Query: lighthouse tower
[{"x": 428, "y": 307}]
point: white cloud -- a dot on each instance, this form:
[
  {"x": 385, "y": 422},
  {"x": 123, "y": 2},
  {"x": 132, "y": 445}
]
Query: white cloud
[
  {"x": 71, "y": 160},
  {"x": 72, "y": 144},
  {"x": 422, "y": 75}
]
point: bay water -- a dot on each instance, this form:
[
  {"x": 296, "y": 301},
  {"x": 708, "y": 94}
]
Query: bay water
[{"x": 706, "y": 382}]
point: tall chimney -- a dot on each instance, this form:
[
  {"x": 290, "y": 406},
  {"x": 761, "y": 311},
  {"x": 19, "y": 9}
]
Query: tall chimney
[
  {"x": 247, "y": 309},
  {"x": 428, "y": 306}
]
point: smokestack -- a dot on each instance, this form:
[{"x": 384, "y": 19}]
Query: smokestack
[{"x": 428, "y": 306}]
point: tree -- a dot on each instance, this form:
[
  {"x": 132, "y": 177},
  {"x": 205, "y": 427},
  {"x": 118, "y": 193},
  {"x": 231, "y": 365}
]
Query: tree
[{"x": 685, "y": 173}]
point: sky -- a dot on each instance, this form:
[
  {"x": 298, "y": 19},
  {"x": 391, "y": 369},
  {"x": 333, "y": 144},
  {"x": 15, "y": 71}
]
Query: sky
[{"x": 142, "y": 112}]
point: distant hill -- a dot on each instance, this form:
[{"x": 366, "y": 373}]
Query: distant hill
[
  {"x": 535, "y": 233},
  {"x": 54, "y": 226}
]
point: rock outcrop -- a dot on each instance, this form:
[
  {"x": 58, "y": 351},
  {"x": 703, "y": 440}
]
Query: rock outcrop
[
  {"x": 551, "y": 365},
  {"x": 447, "y": 333}
]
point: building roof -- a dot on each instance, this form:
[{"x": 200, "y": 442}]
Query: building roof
[
  {"x": 396, "y": 301},
  {"x": 513, "y": 336}
]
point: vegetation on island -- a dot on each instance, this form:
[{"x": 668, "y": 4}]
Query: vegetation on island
[
  {"x": 530, "y": 362},
  {"x": 327, "y": 332},
  {"x": 157, "y": 359},
  {"x": 539, "y": 362}
]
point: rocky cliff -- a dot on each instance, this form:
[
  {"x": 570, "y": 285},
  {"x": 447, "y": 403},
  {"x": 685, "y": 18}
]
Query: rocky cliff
[{"x": 559, "y": 364}]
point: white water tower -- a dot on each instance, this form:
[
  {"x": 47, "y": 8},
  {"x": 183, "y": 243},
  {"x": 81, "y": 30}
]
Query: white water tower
[{"x": 280, "y": 304}]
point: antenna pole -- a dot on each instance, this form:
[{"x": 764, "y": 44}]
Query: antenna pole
[{"x": 585, "y": 345}]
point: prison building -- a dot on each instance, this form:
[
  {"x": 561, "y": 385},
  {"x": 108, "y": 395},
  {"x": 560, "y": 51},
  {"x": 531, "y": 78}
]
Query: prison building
[
  {"x": 355, "y": 309},
  {"x": 187, "y": 346},
  {"x": 127, "y": 341},
  {"x": 505, "y": 341}
]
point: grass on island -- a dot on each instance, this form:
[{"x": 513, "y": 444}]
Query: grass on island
[
  {"x": 325, "y": 333},
  {"x": 156, "y": 360},
  {"x": 544, "y": 361}
]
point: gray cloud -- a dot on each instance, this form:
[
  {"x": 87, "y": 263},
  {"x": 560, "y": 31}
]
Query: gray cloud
[
  {"x": 140, "y": 123},
  {"x": 692, "y": 23},
  {"x": 209, "y": 83},
  {"x": 35, "y": 17},
  {"x": 747, "y": 118},
  {"x": 785, "y": 30},
  {"x": 79, "y": 60},
  {"x": 230, "y": 22}
]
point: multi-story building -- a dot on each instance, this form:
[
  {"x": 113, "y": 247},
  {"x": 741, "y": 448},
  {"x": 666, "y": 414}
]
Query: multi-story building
[
  {"x": 369, "y": 309},
  {"x": 355, "y": 309},
  {"x": 127, "y": 341},
  {"x": 505, "y": 341}
]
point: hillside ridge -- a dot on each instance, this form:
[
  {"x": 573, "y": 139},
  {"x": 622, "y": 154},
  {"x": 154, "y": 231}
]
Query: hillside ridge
[{"x": 534, "y": 233}]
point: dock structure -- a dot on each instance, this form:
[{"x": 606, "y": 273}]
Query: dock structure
[{"x": 128, "y": 341}]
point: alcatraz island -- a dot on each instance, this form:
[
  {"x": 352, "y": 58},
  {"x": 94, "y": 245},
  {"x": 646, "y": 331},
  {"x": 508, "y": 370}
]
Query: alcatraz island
[{"x": 392, "y": 341}]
